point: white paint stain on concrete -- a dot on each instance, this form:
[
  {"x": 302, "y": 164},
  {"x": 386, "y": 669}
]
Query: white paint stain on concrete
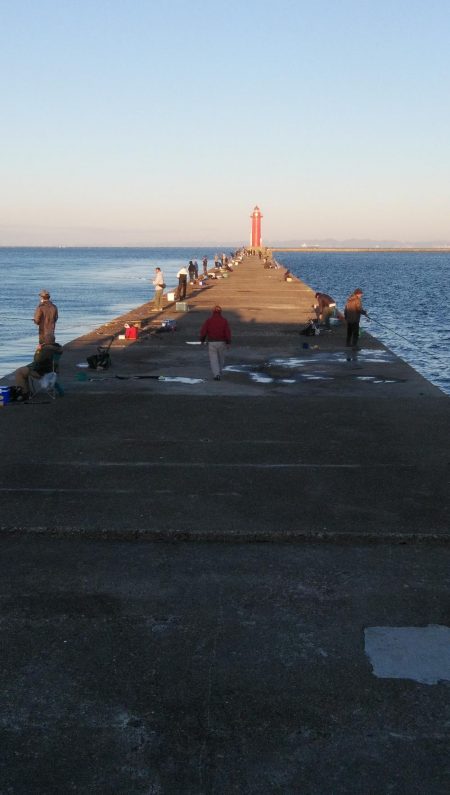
[
  {"x": 180, "y": 379},
  {"x": 418, "y": 653}
]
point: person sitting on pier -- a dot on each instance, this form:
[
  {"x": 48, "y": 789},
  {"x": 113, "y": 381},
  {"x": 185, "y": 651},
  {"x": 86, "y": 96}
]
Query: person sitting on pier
[{"x": 45, "y": 360}]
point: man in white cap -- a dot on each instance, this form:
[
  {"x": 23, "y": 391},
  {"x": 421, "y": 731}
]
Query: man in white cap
[{"x": 46, "y": 315}]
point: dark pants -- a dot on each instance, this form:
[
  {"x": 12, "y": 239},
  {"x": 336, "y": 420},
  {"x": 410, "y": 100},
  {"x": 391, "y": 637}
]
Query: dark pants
[
  {"x": 182, "y": 287},
  {"x": 352, "y": 333}
]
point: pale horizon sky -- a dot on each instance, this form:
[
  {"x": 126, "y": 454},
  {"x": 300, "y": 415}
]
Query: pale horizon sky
[{"x": 146, "y": 123}]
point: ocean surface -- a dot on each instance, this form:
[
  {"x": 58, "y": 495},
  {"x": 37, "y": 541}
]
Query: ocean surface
[{"x": 406, "y": 294}]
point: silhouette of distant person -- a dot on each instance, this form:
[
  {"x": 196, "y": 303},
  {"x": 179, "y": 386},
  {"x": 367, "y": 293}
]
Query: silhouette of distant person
[{"x": 182, "y": 282}]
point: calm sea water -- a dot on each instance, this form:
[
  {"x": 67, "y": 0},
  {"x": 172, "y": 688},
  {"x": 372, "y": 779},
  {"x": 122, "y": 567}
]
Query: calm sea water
[
  {"x": 89, "y": 286},
  {"x": 407, "y": 294}
]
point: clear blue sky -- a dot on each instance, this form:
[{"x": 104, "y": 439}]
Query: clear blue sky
[{"x": 159, "y": 121}]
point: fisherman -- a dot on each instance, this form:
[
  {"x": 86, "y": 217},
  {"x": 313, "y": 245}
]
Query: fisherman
[
  {"x": 324, "y": 308},
  {"x": 217, "y": 331},
  {"x": 191, "y": 270},
  {"x": 46, "y": 315},
  {"x": 352, "y": 313},
  {"x": 45, "y": 360},
  {"x": 158, "y": 283},
  {"x": 182, "y": 282}
]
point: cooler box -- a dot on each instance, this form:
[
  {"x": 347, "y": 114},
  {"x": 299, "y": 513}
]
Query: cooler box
[
  {"x": 131, "y": 333},
  {"x": 5, "y": 394},
  {"x": 181, "y": 306}
]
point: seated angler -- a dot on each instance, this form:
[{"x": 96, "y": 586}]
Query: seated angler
[{"x": 45, "y": 361}]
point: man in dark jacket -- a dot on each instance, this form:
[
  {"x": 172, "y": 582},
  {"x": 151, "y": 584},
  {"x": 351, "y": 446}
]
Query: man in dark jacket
[
  {"x": 45, "y": 360},
  {"x": 217, "y": 331},
  {"x": 352, "y": 313},
  {"x": 46, "y": 315},
  {"x": 182, "y": 282}
]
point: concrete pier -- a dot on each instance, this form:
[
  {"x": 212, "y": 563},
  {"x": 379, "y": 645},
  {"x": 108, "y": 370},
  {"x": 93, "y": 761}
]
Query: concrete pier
[{"x": 224, "y": 666}]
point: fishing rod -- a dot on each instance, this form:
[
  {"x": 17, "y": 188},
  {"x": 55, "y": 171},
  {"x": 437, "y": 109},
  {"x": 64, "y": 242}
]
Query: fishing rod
[
  {"x": 389, "y": 328},
  {"x": 62, "y": 330}
]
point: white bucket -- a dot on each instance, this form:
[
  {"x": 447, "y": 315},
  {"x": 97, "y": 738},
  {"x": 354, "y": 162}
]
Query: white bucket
[{"x": 171, "y": 296}]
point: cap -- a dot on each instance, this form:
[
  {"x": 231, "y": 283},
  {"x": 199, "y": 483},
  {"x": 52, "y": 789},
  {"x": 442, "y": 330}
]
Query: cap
[
  {"x": 217, "y": 308},
  {"x": 44, "y": 294},
  {"x": 358, "y": 291}
]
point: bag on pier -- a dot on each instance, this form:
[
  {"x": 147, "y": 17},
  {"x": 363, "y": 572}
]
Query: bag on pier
[
  {"x": 310, "y": 329},
  {"x": 99, "y": 361}
]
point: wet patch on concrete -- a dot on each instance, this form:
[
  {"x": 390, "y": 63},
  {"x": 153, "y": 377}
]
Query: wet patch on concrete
[
  {"x": 372, "y": 379},
  {"x": 315, "y": 366},
  {"x": 418, "y": 653}
]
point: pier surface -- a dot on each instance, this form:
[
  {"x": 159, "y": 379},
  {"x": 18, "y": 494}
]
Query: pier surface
[{"x": 225, "y": 666}]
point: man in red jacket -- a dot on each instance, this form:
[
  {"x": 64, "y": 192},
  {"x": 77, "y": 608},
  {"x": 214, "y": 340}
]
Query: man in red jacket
[{"x": 217, "y": 331}]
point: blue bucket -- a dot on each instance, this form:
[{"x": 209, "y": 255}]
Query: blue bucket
[{"x": 6, "y": 394}]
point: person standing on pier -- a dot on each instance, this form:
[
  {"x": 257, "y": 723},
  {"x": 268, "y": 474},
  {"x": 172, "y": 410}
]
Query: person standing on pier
[
  {"x": 352, "y": 313},
  {"x": 191, "y": 271},
  {"x": 182, "y": 282},
  {"x": 217, "y": 331},
  {"x": 159, "y": 285},
  {"x": 46, "y": 315},
  {"x": 205, "y": 265}
]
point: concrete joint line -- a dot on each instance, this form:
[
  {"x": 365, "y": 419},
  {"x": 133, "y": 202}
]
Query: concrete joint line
[
  {"x": 223, "y": 536},
  {"x": 208, "y": 465}
]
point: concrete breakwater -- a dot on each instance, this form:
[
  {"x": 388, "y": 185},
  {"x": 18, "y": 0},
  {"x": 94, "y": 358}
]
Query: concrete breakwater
[
  {"x": 280, "y": 447},
  {"x": 135, "y": 664}
]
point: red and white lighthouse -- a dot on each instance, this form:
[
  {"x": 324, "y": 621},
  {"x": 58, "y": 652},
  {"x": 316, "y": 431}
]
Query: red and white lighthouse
[{"x": 256, "y": 227}]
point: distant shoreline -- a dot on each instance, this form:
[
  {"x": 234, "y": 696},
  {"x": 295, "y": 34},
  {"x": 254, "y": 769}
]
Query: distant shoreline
[
  {"x": 221, "y": 246},
  {"x": 378, "y": 250}
]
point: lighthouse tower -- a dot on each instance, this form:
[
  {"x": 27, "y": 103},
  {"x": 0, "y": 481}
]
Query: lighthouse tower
[{"x": 256, "y": 227}]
